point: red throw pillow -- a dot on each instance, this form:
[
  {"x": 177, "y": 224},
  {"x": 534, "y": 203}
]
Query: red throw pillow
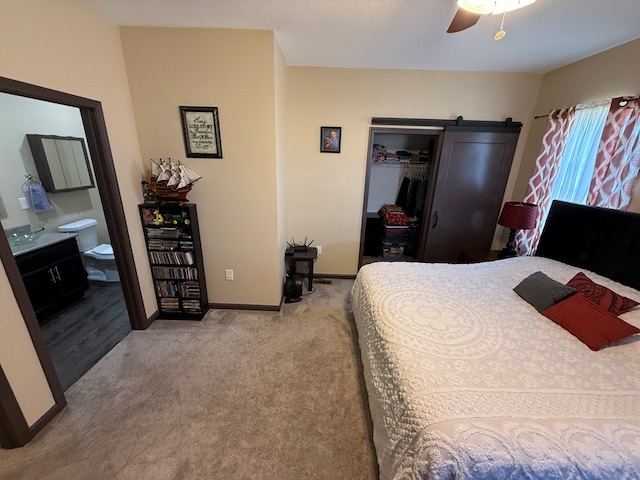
[
  {"x": 600, "y": 295},
  {"x": 592, "y": 325}
]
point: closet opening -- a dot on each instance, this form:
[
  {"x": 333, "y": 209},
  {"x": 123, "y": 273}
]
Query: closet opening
[
  {"x": 434, "y": 188},
  {"x": 400, "y": 167}
]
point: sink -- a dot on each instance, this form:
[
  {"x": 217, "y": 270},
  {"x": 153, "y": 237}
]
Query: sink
[
  {"x": 39, "y": 240},
  {"x": 23, "y": 235}
]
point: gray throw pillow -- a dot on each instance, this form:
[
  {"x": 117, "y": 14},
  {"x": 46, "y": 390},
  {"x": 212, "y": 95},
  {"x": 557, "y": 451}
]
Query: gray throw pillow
[{"x": 541, "y": 291}]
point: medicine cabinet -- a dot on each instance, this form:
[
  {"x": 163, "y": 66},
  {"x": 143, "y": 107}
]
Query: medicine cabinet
[{"x": 62, "y": 162}]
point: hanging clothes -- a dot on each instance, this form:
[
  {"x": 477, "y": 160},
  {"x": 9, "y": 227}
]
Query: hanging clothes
[
  {"x": 416, "y": 177},
  {"x": 402, "y": 199},
  {"x": 421, "y": 195},
  {"x": 411, "y": 203}
]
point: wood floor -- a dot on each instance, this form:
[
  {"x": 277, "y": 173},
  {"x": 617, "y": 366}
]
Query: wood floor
[{"x": 80, "y": 335}]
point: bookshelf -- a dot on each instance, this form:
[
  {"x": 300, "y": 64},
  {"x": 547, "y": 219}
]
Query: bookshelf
[{"x": 175, "y": 257}]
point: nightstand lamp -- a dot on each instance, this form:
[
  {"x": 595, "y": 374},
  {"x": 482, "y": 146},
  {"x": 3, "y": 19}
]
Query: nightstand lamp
[{"x": 516, "y": 216}]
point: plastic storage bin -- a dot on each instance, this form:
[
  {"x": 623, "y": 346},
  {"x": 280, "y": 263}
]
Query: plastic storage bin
[
  {"x": 394, "y": 233},
  {"x": 392, "y": 252}
]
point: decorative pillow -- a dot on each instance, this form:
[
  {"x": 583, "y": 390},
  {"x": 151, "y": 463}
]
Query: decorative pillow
[
  {"x": 542, "y": 291},
  {"x": 592, "y": 325},
  {"x": 600, "y": 295}
]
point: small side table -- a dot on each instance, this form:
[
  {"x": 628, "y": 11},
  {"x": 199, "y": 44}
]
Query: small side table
[
  {"x": 292, "y": 257},
  {"x": 476, "y": 256}
]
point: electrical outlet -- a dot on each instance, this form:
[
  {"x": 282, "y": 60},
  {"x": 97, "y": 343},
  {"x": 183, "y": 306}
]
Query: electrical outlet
[
  {"x": 228, "y": 274},
  {"x": 319, "y": 249},
  {"x": 23, "y": 203}
]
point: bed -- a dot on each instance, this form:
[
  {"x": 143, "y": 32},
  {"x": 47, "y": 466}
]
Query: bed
[{"x": 467, "y": 380}]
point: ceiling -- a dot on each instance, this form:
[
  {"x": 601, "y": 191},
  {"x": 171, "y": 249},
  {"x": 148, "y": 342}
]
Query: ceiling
[{"x": 403, "y": 34}]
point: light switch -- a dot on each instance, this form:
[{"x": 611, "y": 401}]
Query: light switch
[{"x": 23, "y": 203}]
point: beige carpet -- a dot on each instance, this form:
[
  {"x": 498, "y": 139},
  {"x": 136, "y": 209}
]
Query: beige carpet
[{"x": 240, "y": 395}]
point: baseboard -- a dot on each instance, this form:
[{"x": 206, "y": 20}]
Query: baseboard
[
  {"x": 16, "y": 439},
  {"x": 335, "y": 275},
  {"x": 240, "y": 306},
  {"x": 154, "y": 316},
  {"x": 46, "y": 418}
]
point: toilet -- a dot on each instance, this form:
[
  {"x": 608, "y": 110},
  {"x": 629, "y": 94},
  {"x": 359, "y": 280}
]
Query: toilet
[{"x": 99, "y": 260}]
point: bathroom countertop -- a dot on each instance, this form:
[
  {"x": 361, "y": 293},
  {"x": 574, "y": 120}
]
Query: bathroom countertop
[{"x": 43, "y": 240}]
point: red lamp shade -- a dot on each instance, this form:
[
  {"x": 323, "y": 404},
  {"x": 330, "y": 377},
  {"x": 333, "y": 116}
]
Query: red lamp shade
[{"x": 518, "y": 215}]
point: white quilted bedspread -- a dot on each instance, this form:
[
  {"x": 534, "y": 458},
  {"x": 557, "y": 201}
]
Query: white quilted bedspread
[{"x": 468, "y": 381}]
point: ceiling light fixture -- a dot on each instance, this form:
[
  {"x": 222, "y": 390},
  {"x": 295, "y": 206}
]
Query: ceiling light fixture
[{"x": 493, "y": 7}]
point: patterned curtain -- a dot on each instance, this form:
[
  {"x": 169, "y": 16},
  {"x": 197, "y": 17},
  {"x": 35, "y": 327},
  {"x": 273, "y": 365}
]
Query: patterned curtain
[
  {"x": 618, "y": 159},
  {"x": 544, "y": 173}
]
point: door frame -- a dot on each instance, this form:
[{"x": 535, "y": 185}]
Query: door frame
[{"x": 14, "y": 430}]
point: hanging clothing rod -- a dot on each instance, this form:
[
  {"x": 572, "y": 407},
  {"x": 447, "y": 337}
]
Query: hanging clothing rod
[{"x": 623, "y": 103}]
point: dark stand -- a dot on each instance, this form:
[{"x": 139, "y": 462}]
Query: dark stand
[{"x": 293, "y": 256}]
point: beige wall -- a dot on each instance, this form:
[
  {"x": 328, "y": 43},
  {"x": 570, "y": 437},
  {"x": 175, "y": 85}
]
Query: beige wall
[
  {"x": 281, "y": 85},
  {"x": 325, "y": 191},
  {"x": 237, "y": 196},
  {"x": 609, "y": 74},
  {"x": 59, "y": 44},
  {"x": 236, "y": 74}
]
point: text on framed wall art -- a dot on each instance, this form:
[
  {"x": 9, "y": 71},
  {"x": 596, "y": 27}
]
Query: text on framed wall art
[{"x": 201, "y": 132}]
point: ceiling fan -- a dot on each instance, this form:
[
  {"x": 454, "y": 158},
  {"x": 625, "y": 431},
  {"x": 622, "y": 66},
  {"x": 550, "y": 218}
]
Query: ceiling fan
[{"x": 470, "y": 11}]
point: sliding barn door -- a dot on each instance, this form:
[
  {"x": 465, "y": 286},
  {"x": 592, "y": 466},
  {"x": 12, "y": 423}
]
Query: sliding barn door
[{"x": 469, "y": 187}]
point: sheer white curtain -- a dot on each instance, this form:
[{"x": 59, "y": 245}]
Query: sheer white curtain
[
  {"x": 579, "y": 159},
  {"x": 576, "y": 166}
]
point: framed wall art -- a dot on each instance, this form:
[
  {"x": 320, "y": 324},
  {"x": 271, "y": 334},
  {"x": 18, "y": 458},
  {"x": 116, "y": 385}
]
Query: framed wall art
[
  {"x": 330, "y": 139},
  {"x": 201, "y": 131}
]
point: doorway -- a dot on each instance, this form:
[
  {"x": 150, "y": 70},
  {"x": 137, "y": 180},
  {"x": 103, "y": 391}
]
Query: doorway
[
  {"x": 82, "y": 328},
  {"x": 14, "y": 430}
]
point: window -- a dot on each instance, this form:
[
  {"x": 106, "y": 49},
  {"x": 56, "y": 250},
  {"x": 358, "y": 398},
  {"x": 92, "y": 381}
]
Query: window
[
  {"x": 576, "y": 165},
  {"x": 589, "y": 155}
]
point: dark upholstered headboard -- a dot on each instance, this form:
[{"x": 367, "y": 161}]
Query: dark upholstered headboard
[{"x": 602, "y": 240}]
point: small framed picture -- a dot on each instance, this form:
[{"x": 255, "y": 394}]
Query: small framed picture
[
  {"x": 330, "y": 138},
  {"x": 201, "y": 131}
]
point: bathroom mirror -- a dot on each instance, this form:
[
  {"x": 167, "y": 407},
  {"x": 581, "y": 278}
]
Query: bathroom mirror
[{"x": 62, "y": 162}]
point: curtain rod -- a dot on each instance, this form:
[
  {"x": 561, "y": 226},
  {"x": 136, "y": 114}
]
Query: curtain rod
[{"x": 623, "y": 103}]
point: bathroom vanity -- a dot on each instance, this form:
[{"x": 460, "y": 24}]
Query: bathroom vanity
[{"x": 52, "y": 272}]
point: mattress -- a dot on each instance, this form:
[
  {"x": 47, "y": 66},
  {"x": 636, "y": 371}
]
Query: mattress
[{"x": 468, "y": 381}]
